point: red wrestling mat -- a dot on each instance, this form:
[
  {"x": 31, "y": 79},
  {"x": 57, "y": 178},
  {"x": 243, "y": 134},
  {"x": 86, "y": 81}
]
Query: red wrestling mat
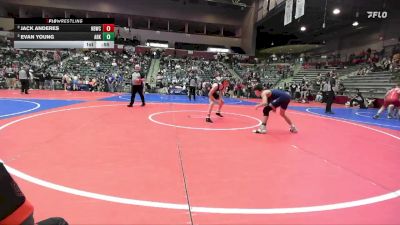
[{"x": 104, "y": 163}]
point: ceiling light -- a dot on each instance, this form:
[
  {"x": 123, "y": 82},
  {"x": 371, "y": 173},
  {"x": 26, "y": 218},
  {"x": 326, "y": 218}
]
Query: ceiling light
[
  {"x": 303, "y": 28},
  {"x": 355, "y": 24},
  {"x": 336, "y": 11}
]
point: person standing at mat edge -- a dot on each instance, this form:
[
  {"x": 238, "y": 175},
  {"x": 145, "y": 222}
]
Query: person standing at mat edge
[
  {"x": 137, "y": 86},
  {"x": 192, "y": 87},
  {"x": 23, "y": 78},
  {"x": 272, "y": 99},
  {"x": 215, "y": 96},
  {"x": 330, "y": 93}
]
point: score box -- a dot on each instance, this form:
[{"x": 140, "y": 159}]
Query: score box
[
  {"x": 108, "y": 36},
  {"x": 108, "y": 27}
]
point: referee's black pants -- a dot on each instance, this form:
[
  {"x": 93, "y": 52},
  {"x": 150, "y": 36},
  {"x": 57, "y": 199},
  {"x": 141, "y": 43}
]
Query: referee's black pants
[
  {"x": 330, "y": 96},
  {"x": 137, "y": 89},
  {"x": 24, "y": 85},
  {"x": 192, "y": 91}
]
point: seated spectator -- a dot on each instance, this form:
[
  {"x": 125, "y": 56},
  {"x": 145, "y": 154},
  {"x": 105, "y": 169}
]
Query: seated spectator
[
  {"x": 359, "y": 99},
  {"x": 341, "y": 88},
  {"x": 370, "y": 102},
  {"x": 297, "y": 94},
  {"x": 66, "y": 81},
  {"x": 318, "y": 97},
  {"x": 303, "y": 92},
  {"x": 92, "y": 84}
]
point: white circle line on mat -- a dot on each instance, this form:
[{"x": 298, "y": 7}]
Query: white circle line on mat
[
  {"x": 351, "y": 120},
  {"x": 166, "y": 205},
  {"x": 369, "y": 115},
  {"x": 37, "y": 105},
  {"x": 151, "y": 118}
]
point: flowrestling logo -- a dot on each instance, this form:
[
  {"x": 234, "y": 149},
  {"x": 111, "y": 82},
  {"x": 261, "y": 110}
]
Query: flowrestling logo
[{"x": 377, "y": 14}]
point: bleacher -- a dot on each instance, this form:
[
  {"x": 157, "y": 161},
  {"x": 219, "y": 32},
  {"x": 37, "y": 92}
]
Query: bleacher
[
  {"x": 178, "y": 70},
  {"x": 373, "y": 84},
  {"x": 267, "y": 73},
  {"x": 349, "y": 70},
  {"x": 309, "y": 74}
]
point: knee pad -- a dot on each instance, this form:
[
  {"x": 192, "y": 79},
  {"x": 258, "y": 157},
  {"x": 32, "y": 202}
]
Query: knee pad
[{"x": 266, "y": 110}]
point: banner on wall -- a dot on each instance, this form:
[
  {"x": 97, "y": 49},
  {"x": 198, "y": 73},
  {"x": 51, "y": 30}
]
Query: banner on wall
[
  {"x": 300, "y": 4},
  {"x": 288, "y": 12}
]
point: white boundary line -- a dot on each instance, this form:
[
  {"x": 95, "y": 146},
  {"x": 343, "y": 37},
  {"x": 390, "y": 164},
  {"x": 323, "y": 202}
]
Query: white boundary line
[
  {"x": 370, "y": 116},
  {"x": 359, "y": 114},
  {"x": 351, "y": 120},
  {"x": 203, "y": 128},
  {"x": 87, "y": 194},
  {"x": 308, "y": 209},
  {"x": 11, "y": 114}
]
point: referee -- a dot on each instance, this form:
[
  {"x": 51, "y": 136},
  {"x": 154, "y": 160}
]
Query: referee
[
  {"x": 192, "y": 87},
  {"x": 330, "y": 94},
  {"x": 137, "y": 86},
  {"x": 23, "y": 78}
]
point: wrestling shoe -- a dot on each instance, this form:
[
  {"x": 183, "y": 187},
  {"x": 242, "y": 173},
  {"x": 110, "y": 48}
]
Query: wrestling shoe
[
  {"x": 293, "y": 129},
  {"x": 260, "y": 130}
]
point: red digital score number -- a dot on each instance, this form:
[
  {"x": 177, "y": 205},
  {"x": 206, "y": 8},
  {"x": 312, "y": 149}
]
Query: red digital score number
[{"x": 108, "y": 27}]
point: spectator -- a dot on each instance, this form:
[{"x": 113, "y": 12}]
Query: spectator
[
  {"x": 41, "y": 79},
  {"x": 297, "y": 94},
  {"x": 303, "y": 80},
  {"x": 303, "y": 93},
  {"x": 48, "y": 81},
  {"x": 293, "y": 88},
  {"x": 11, "y": 78},
  {"x": 66, "y": 80},
  {"x": 75, "y": 82},
  {"x": 359, "y": 99},
  {"x": 341, "y": 88},
  {"x": 318, "y": 97},
  {"x": 119, "y": 83},
  {"x": 30, "y": 77}
]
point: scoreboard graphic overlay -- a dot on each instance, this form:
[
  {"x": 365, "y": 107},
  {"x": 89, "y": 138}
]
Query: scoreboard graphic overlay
[{"x": 91, "y": 33}]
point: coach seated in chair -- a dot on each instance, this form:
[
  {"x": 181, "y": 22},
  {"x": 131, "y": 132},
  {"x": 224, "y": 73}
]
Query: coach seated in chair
[{"x": 359, "y": 99}]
